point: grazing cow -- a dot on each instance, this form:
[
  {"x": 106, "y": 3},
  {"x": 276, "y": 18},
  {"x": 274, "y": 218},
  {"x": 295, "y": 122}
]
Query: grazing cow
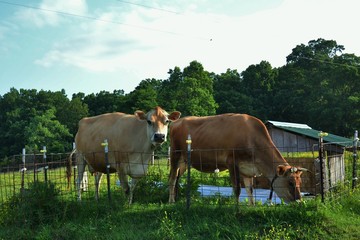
[
  {"x": 131, "y": 139},
  {"x": 237, "y": 142}
]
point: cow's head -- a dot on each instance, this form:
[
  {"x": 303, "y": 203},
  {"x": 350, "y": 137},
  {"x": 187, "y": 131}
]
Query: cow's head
[
  {"x": 157, "y": 123},
  {"x": 287, "y": 182}
]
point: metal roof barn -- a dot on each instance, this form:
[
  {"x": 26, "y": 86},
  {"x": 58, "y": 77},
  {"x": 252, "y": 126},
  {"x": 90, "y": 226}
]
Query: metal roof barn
[{"x": 296, "y": 137}]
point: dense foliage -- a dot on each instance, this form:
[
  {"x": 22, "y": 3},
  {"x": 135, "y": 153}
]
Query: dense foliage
[{"x": 319, "y": 85}]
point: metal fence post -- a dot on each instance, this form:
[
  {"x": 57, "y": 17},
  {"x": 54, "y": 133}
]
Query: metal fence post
[
  {"x": 168, "y": 157},
  {"x": 188, "y": 141},
  {"x": 354, "y": 175},
  {"x": 35, "y": 168},
  {"x": 322, "y": 165},
  {"x": 23, "y": 169},
  {"x": 74, "y": 165},
  {"x": 43, "y": 151},
  {"x": 105, "y": 144}
]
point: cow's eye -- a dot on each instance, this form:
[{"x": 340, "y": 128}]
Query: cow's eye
[
  {"x": 149, "y": 122},
  {"x": 167, "y": 121}
]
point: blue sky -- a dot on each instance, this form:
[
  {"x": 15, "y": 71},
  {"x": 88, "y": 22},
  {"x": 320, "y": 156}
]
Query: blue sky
[{"x": 90, "y": 46}]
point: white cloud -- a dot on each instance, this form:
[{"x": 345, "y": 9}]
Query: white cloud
[
  {"x": 150, "y": 41},
  {"x": 147, "y": 42},
  {"x": 94, "y": 46},
  {"x": 129, "y": 43},
  {"x": 49, "y": 12}
]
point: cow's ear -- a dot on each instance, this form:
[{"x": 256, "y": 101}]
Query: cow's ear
[
  {"x": 174, "y": 116},
  {"x": 281, "y": 170},
  {"x": 140, "y": 115}
]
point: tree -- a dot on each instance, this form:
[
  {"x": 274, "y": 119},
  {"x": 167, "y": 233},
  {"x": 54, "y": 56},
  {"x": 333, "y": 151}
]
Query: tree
[
  {"x": 228, "y": 93},
  {"x": 192, "y": 90},
  {"x": 105, "y": 102},
  {"x": 72, "y": 113},
  {"x": 45, "y": 130},
  {"x": 17, "y": 107},
  {"x": 167, "y": 96},
  {"x": 341, "y": 95},
  {"x": 258, "y": 83},
  {"x": 289, "y": 95},
  {"x": 144, "y": 97},
  {"x": 322, "y": 86},
  {"x": 318, "y": 50}
]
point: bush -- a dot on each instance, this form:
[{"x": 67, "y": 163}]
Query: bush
[
  {"x": 151, "y": 189},
  {"x": 36, "y": 205}
]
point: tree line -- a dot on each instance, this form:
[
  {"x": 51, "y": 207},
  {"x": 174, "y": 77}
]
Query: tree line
[{"x": 319, "y": 85}]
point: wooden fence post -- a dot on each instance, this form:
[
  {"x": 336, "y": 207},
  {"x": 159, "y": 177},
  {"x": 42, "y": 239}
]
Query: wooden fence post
[
  {"x": 354, "y": 174},
  {"x": 322, "y": 165}
]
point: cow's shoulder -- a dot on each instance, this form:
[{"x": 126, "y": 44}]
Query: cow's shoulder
[
  {"x": 102, "y": 121},
  {"x": 184, "y": 122}
]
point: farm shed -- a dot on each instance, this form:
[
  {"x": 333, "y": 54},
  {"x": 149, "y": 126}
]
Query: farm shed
[{"x": 296, "y": 137}]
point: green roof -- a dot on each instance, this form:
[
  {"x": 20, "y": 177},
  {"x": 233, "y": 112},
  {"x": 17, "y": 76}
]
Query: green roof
[{"x": 305, "y": 130}]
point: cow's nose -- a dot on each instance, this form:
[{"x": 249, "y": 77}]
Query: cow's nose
[{"x": 159, "y": 137}]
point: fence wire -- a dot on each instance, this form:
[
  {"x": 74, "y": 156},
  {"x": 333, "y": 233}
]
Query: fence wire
[{"x": 17, "y": 176}]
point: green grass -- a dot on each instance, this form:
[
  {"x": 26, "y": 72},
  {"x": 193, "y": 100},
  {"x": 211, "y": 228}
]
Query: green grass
[
  {"x": 314, "y": 154},
  {"x": 40, "y": 213},
  {"x": 50, "y": 211}
]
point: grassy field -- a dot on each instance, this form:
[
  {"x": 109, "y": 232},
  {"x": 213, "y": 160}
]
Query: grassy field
[
  {"x": 42, "y": 213},
  {"x": 48, "y": 210}
]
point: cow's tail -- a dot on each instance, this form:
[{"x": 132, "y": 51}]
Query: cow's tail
[{"x": 69, "y": 167}]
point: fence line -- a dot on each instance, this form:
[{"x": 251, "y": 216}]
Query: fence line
[{"x": 16, "y": 175}]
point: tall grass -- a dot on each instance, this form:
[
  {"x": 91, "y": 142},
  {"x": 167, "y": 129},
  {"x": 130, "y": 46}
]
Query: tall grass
[
  {"x": 40, "y": 213},
  {"x": 47, "y": 210}
]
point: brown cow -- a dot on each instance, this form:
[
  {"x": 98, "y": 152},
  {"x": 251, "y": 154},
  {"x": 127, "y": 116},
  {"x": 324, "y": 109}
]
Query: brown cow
[
  {"x": 130, "y": 142},
  {"x": 237, "y": 142}
]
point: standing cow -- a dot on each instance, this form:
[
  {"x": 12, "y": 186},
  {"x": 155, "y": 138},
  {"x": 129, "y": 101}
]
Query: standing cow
[
  {"x": 131, "y": 139},
  {"x": 237, "y": 142}
]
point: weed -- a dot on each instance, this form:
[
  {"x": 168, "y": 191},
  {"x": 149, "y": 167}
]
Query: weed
[
  {"x": 33, "y": 206},
  {"x": 170, "y": 227}
]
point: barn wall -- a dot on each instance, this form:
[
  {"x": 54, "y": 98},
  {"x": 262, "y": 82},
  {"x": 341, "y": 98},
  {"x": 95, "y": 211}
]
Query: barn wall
[
  {"x": 336, "y": 169},
  {"x": 290, "y": 142}
]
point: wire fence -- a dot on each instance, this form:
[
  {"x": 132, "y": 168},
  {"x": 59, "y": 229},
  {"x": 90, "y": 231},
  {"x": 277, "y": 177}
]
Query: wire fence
[
  {"x": 333, "y": 171},
  {"x": 16, "y": 175}
]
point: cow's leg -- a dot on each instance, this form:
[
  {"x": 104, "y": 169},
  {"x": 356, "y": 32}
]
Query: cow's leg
[
  {"x": 98, "y": 176},
  {"x": 84, "y": 182},
  {"x": 177, "y": 185},
  {"x": 124, "y": 181},
  {"x": 235, "y": 180},
  {"x": 177, "y": 169},
  {"x": 249, "y": 186},
  {"x": 81, "y": 163},
  {"x": 132, "y": 188},
  {"x": 173, "y": 178}
]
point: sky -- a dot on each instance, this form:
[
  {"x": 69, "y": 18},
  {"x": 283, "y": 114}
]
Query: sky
[{"x": 92, "y": 46}]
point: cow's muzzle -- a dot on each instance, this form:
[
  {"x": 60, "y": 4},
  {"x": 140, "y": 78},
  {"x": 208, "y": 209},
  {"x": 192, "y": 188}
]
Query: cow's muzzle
[{"x": 159, "y": 138}]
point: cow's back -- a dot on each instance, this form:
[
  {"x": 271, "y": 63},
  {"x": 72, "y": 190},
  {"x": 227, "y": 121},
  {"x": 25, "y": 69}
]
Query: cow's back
[
  {"x": 219, "y": 140},
  {"x": 124, "y": 133},
  {"x": 226, "y": 131}
]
